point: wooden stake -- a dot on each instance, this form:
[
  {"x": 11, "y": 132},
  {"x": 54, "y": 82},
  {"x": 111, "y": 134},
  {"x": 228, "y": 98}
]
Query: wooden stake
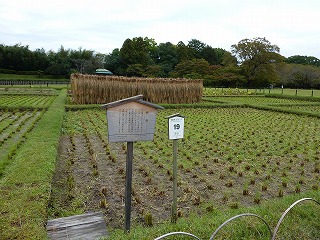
[
  {"x": 128, "y": 185},
  {"x": 174, "y": 199}
]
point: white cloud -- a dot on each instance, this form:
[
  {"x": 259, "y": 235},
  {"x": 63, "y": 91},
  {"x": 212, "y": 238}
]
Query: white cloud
[{"x": 104, "y": 25}]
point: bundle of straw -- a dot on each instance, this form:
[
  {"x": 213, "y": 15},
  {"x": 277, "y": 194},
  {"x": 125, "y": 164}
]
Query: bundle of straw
[{"x": 97, "y": 89}]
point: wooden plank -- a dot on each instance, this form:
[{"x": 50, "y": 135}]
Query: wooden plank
[
  {"x": 131, "y": 122},
  {"x": 85, "y": 226}
]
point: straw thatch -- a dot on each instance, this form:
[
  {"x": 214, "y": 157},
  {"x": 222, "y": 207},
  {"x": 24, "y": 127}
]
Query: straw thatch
[{"x": 95, "y": 89}]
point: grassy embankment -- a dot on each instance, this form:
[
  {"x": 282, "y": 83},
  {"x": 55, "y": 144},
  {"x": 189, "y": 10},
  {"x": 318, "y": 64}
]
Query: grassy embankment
[
  {"x": 302, "y": 222},
  {"x": 26, "y": 183}
]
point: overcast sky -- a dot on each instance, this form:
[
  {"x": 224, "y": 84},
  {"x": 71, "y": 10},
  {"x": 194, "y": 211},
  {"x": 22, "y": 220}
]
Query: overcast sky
[{"x": 293, "y": 25}]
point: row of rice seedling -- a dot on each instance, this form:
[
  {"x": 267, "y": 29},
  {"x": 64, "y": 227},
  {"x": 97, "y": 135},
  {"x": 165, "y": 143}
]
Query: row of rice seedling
[
  {"x": 13, "y": 132},
  {"x": 259, "y": 100},
  {"x": 25, "y": 100},
  {"x": 25, "y": 183},
  {"x": 27, "y": 91},
  {"x": 89, "y": 89},
  {"x": 239, "y": 156}
]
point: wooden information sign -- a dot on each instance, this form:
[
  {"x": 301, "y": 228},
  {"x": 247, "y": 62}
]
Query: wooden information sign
[{"x": 130, "y": 120}]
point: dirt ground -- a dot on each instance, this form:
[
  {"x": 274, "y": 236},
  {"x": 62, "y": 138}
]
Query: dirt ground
[
  {"x": 78, "y": 186},
  {"x": 90, "y": 176}
]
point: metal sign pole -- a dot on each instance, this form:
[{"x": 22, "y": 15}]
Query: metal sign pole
[
  {"x": 128, "y": 185},
  {"x": 175, "y": 186}
]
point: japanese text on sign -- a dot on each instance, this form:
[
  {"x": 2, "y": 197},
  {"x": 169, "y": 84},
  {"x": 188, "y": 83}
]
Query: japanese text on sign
[
  {"x": 176, "y": 127},
  {"x": 130, "y": 125}
]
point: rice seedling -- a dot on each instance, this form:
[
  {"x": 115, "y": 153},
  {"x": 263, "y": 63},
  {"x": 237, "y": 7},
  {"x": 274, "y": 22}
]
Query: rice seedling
[
  {"x": 103, "y": 203},
  {"x": 257, "y": 197},
  {"x": 148, "y": 219}
]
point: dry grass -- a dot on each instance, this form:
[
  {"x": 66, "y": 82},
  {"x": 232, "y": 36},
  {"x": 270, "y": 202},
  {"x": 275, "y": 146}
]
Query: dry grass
[{"x": 96, "y": 89}]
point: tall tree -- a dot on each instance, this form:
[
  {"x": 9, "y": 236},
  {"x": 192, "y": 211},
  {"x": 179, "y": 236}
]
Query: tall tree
[
  {"x": 256, "y": 57},
  {"x": 41, "y": 60},
  {"x": 305, "y": 60},
  {"x": 208, "y": 53},
  {"x": 60, "y": 62},
  {"x": 167, "y": 58},
  {"x": 213, "y": 55},
  {"x": 81, "y": 60},
  {"x": 219, "y": 55},
  {"x": 195, "y": 68},
  {"x": 113, "y": 62},
  {"x": 184, "y": 52},
  {"x": 299, "y": 76},
  {"x": 197, "y": 47},
  {"x": 136, "y": 51}
]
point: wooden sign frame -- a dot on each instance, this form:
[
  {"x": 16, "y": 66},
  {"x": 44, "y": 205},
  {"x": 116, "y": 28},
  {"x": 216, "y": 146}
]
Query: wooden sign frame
[{"x": 130, "y": 120}]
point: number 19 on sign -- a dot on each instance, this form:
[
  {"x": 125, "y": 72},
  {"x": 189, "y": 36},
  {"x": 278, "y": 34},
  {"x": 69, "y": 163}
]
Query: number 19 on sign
[{"x": 176, "y": 127}]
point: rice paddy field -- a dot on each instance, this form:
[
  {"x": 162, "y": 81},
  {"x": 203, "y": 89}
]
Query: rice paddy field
[
  {"x": 237, "y": 157},
  {"x": 240, "y": 153},
  {"x": 26, "y": 101},
  {"x": 262, "y": 91}
]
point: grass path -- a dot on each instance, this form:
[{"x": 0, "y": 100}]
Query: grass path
[{"x": 25, "y": 187}]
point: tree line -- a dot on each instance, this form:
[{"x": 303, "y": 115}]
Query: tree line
[
  {"x": 20, "y": 59},
  {"x": 250, "y": 63}
]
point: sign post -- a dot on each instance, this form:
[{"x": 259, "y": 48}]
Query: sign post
[
  {"x": 128, "y": 185},
  {"x": 130, "y": 120},
  {"x": 176, "y": 131}
]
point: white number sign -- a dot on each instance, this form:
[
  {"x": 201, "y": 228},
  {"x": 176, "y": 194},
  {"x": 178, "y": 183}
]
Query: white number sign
[{"x": 176, "y": 127}]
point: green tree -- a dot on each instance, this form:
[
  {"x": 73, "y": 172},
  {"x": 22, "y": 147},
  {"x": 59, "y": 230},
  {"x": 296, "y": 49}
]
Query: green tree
[
  {"x": 229, "y": 60},
  {"x": 213, "y": 55},
  {"x": 223, "y": 76},
  {"x": 113, "y": 62},
  {"x": 167, "y": 58},
  {"x": 184, "y": 53},
  {"x": 197, "y": 47},
  {"x": 208, "y": 53},
  {"x": 219, "y": 55},
  {"x": 195, "y": 68},
  {"x": 136, "y": 51},
  {"x": 97, "y": 61},
  {"x": 152, "y": 49},
  {"x": 17, "y": 57},
  {"x": 154, "y": 71},
  {"x": 41, "y": 60},
  {"x": 81, "y": 60},
  {"x": 60, "y": 62},
  {"x": 299, "y": 75},
  {"x": 256, "y": 57},
  {"x": 305, "y": 60},
  {"x": 135, "y": 69}
]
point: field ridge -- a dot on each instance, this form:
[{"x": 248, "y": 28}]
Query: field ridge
[{"x": 25, "y": 187}]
